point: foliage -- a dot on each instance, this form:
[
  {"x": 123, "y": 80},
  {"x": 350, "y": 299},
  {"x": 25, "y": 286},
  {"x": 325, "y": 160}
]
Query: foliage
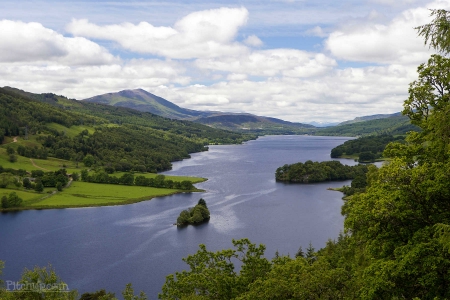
[
  {"x": 120, "y": 138},
  {"x": 395, "y": 125},
  {"x": 194, "y": 215},
  {"x": 318, "y": 171},
  {"x": 373, "y": 144},
  {"x": 11, "y": 201},
  {"x": 128, "y": 179},
  {"x": 40, "y": 283},
  {"x": 436, "y": 33},
  {"x": 212, "y": 275},
  {"x": 44, "y": 284}
]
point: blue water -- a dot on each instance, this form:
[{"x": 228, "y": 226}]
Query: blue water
[{"x": 108, "y": 247}]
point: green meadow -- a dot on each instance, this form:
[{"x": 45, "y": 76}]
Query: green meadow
[{"x": 82, "y": 194}]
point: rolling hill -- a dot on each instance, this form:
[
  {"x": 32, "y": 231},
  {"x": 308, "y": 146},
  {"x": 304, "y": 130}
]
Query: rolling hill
[{"x": 142, "y": 100}]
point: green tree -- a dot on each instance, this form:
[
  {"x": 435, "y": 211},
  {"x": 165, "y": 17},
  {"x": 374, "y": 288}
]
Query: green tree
[
  {"x": 26, "y": 183},
  {"x": 300, "y": 252},
  {"x": 128, "y": 294},
  {"x": 39, "y": 187},
  {"x": 98, "y": 295},
  {"x": 202, "y": 202},
  {"x": 88, "y": 160},
  {"x": 127, "y": 179},
  {"x": 12, "y": 158},
  {"x": 436, "y": 33},
  {"x": 42, "y": 283},
  {"x": 59, "y": 186},
  {"x": 212, "y": 275},
  {"x": 10, "y": 150}
]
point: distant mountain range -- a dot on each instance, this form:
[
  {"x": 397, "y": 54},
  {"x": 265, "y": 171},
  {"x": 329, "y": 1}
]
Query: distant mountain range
[
  {"x": 369, "y": 118},
  {"x": 144, "y": 101}
]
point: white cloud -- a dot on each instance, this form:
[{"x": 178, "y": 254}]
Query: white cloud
[
  {"x": 273, "y": 62},
  {"x": 208, "y": 33},
  {"x": 393, "y": 43},
  {"x": 253, "y": 41},
  {"x": 22, "y": 42}
]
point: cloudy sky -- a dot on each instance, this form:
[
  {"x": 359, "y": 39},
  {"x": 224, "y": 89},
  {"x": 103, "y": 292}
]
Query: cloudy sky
[{"x": 302, "y": 61}]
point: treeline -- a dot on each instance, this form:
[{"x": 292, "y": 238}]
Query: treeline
[
  {"x": 123, "y": 148},
  {"x": 310, "y": 171},
  {"x": 396, "y": 125},
  {"x": 194, "y": 215},
  {"x": 159, "y": 181},
  {"x": 20, "y": 115},
  {"x": 367, "y": 148},
  {"x": 124, "y": 139}
]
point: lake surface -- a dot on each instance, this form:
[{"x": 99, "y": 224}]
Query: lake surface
[{"x": 108, "y": 247}]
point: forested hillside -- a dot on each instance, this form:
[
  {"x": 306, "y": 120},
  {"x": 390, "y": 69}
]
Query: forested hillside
[
  {"x": 395, "y": 125},
  {"x": 120, "y": 138},
  {"x": 371, "y": 147}
]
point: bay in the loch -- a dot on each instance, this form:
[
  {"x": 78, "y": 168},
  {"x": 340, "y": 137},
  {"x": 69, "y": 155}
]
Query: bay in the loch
[{"x": 107, "y": 247}]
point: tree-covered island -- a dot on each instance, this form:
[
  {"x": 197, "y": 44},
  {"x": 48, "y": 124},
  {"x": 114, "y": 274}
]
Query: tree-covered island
[
  {"x": 194, "y": 215},
  {"x": 310, "y": 172}
]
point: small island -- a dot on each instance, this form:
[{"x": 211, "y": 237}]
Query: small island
[
  {"x": 310, "y": 172},
  {"x": 194, "y": 215}
]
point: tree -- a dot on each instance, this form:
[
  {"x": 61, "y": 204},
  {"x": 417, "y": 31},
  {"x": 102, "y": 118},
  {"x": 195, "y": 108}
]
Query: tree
[
  {"x": 42, "y": 283},
  {"x": 128, "y": 294},
  {"x": 39, "y": 187},
  {"x": 127, "y": 179},
  {"x": 10, "y": 150},
  {"x": 436, "y": 33},
  {"x": 12, "y": 158},
  {"x": 75, "y": 176},
  {"x": 84, "y": 175},
  {"x": 300, "y": 252},
  {"x": 212, "y": 275},
  {"x": 310, "y": 254},
  {"x": 98, "y": 295},
  {"x": 26, "y": 183},
  {"x": 202, "y": 202},
  {"x": 88, "y": 160},
  {"x": 59, "y": 186}
]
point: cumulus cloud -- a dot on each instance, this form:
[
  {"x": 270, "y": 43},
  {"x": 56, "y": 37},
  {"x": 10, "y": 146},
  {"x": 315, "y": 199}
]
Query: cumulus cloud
[
  {"x": 253, "y": 41},
  {"x": 273, "y": 62},
  {"x": 339, "y": 95},
  {"x": 392, "y": 43},
  {"x": 22, "y": 42},
  {"x": 208, "y": 33}
]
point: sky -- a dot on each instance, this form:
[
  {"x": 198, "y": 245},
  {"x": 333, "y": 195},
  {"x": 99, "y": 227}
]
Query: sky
[{"x": 301, "y": 61}]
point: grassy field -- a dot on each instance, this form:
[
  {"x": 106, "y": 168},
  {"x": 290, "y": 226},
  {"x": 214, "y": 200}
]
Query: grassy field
[
  {"x": 82, "y": 194},
  {"x": 25, "y": 163},
  {"x": 71, "y": 131},
  {"x": 174, "y": 178}
]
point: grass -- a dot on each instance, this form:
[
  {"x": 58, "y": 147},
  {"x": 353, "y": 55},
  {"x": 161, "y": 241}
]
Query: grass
[
  {"x": 28, "y": 197},
  {"x": 71, "y": 131},
  {"x": 51, "y": 164},
  {"x": 82, "y": 194},
  {"x": 174, "y": 178}
]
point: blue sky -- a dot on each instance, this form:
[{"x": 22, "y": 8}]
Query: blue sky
[{"x": 301, "y": 61}]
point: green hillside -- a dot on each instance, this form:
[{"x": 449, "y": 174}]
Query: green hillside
[
  {"x": 119, "y": 137},
  {"x": 394, "y": 125},
  {"x": 144, "y": 101}
]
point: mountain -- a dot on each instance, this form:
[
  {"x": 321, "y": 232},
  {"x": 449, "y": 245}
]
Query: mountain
[
  {"x": 142, "y": 100},
  {"x": 371, "y": 117},
  {"x": 122, "y": 138},
  {"x": 394, "y": 124}
]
